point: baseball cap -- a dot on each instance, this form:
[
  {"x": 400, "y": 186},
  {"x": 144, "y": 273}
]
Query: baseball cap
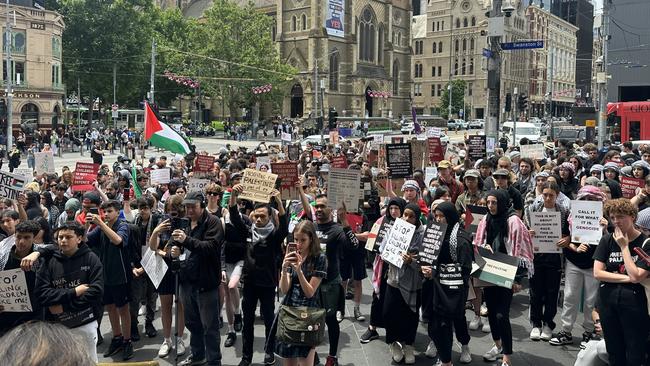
[
  {"x": 501, "y": 172},
  {"x": 235, "y": 176},
  {"x": 194, "y": 196},
  {"x": 472, "y": 173},
  {"x": 92, "y": 198},
  {"x": 444, "y": 164}
]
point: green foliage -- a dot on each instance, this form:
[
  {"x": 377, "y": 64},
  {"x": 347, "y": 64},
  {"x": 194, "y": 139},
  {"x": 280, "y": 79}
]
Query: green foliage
[{"x": 458, "y": 92}]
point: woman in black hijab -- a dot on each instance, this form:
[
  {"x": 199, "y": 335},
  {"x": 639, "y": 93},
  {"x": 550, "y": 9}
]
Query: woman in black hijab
[{"x": 449, "y": 274}]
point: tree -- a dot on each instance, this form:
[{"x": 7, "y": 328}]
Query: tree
[{"x": 457, "y": 97}]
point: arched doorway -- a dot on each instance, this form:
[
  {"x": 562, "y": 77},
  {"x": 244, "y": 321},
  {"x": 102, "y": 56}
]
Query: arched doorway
[
  {"x": 296, "y": 101},
  {"x": 29, "y": 114},
  {"x": 56, "y": 117},
  {"x": 368, "y": 102}
]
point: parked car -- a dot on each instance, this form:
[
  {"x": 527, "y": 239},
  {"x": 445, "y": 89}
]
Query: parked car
[
  {"x": 315, "y": 140},
  {"x": 476, "y": 123},
  {"x": 462, "y": 124},
  {"x": 452, "y": 124}
]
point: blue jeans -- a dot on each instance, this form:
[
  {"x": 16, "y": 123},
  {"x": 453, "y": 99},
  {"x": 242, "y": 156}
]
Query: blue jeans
[{"x": 202, "y": 320}]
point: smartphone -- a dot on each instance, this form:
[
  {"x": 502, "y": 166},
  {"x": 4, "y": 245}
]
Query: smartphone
[
  {"x": 292, "y": 247},
  {"x": 127, "y": 194},
  {"x": 178, "y": 223},
  {"x": 93, "y": 210}
]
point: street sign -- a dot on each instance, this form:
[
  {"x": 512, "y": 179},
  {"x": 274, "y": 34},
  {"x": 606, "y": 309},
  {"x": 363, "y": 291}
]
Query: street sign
[
  {"x": 487, "y": 53},
  {"x": 525, "y": 45}
]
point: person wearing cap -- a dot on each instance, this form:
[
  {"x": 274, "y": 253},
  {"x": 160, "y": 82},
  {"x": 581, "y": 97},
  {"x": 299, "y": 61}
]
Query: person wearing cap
[
  {"x": 611, "y": 170},
  {"x": 473, "y": 192},
  {"x": 515, "y": 157},
  {"x": 200, "y": 277},
  {"x": 446, "y": 178},
  {"x": 502, "y": 179},
  {"x": 596, "y": 171}
]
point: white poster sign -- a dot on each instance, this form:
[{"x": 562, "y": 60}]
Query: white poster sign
[
  {"x": 535, "y": 151},
  {"x": 286, "y": 137},
  {"x": 194, "y": 184},
  {"x": 433, "y": 132},
  {"x": 548, "y": 231},
  {"x": 44, "y": 162},
  {"x": 344, "y": 186},
  {"x": 11, "y": 185},
  {"x": 430, "y": 173},
  {"x": 398, "y": 241},
  {"x": 14, "y": 294},
  {"x": 155, "y": 267},
  {"x": 160, "y": 176},
  {"x": 585, "y": 224}
]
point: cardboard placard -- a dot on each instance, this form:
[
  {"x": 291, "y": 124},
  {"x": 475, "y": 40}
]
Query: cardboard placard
[
  {"x": 496, "y": 268},
  {"x": 204, "y": 163},
  {"x": 160, "y": 176},
  {"x": 419, "y": 151},
  {"x": 436, "y": 152},
  {"x": 398, "y": 242},
  {"x": 431, "y": 243},
  {"x": 398, "y": 160},
  {"x": 14, "y": 294},
  {"x": 288, "y": 174},
  {"x": 343, "y": 187},
  {"x": 84, "y": 176},
  {"x": 585, "y": 224},
  {"x": 44, "y": 162},
  {"x": 155, "y": 267},
  {"x": 258, "y": 186},
  {"x": 476, "y": 147},
  {"x": 534, "y": 151},
  {"x": 548, "y": 231},
  {"x": 339, "y": 161},
  {"x": 629, "y": 186}
]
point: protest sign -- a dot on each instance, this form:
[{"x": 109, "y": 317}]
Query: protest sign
[
  {"x": 452, "y": 153},
  {"x": 44, "y": 162},
  {"x": 203, "y": 163},
  {"x": 288, "y": 174},
  {"x": 257, "y": 185},
  {"x": 433, "y": 132},
  {"x": 548, "y": 231},
  {"x": 14, "y": 294},
  {"x": 418, "y": 151},
  {"x": 334, "y": 137},
  {"x": 339, "y": 161},
  {"x": 155, "y": 267},
  {"x": 433, "y": 236},
  {"x": 490, "y": 144},
  {"x": 398, "y": 160},
  {"x": 286, "y": 137},
  {"x": 372, "y": 237},
  {"x": 436, "y": 153},
  {"x": 397, "y": 242},
  {"x": 476, "y": 147},
  {"x": 397, "y": 140},
  {"x": 585, "y": 226},
  {"x": 430, "y": 173},
  {"x": 11, "y": 185},
  {"x": 194, "y": 184},
  {"x": 84, "y": 176},
  {"x": 160, "y": 176},
  {"x": 263, "y": 160},
  {"x": 293, "y": 152},
  {"x": 629, "y": 185},
  {"x": 473, "y": 216},
  {"x": 534, "y": 151},
  {"x": 25, "y": 172},
  {"x": 377, "y": 140},
  {"x": 496, "y": 268},
  {"x": 343, "y": 187}
]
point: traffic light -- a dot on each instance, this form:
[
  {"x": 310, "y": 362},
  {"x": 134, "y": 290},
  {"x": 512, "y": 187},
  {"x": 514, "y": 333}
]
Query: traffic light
[
  {"x": 523, "y": 102},
  {"x": 333, "y": 116},
  {"x": 508, "y": 102}
]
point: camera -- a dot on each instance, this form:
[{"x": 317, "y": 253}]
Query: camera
[
  {"x": 507, "y": 8},
  {"x": 178, "y": 223}
]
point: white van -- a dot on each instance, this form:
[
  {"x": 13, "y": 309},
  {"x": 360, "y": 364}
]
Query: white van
[{"x": 524, "y": 129}]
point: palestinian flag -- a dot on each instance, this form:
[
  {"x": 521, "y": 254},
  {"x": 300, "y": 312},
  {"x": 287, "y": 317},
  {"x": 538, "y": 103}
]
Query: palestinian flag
[
  {"x": 137, "y": 190},
  {"x": 159, "y": 134}
]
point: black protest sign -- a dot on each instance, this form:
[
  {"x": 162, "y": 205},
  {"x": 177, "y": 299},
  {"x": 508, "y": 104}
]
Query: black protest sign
[
  {"x": 433, "y": 236},
  {"x": 476, "y": 147},
  {"x": 398, "y": 160}
]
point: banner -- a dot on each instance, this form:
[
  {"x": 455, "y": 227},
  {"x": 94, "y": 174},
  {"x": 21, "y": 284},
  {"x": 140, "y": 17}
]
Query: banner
[
  {"x": 257, "y": 185},
  {"x": 14, "y": 294},
  {"x": 398, "y": 241},
  {"x": 433, "y": 236},
  {"x": 548, "y": 231},
  {"x": 44, "y": 162},
  {"x": 154, "y": 266},
  {"x": 496, "y": 268},
  {"x": 585, "y": 224},
  {"x": 335, "y": 18},
  {"x": 343, "y": 186},
  {"x": 398, "y": 160},
  {"x": 629, "y": 186},
  {"x": 436, "y": 152},
  {"x": 84, "y": 176},
  {"x": 535, "y": 151},
  {"x": 288, "y": 174},
  {"x": 203, "y": 163},
  {"x": 476, "y": 147},
  {"x": 195, "y": 184},
  {"x": 160, "y": 176}
]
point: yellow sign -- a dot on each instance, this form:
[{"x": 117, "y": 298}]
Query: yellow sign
[
  {"x": 257, "y": 185},
  {"x": 590, "y": 123}
]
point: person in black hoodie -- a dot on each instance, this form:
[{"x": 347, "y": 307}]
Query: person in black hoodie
[
  {"x": 71, "y": 284},
  {"x": 261, "y": 267}
]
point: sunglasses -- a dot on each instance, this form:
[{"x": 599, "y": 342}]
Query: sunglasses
[{"x": 212, "y": 193}]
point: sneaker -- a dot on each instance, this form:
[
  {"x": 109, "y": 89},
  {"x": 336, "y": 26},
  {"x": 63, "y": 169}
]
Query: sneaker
[
  {"x": 357, "y": 315},
  {"x": 535, "y": 334},
  {"x": 339, "y": 316},
  {"x": 332, "y": 361},
  {"x": 586, "y": 337},
  {"x": 150, "y": 330},
  {"x": 547, "y": 333},
  {"x": 230, "y": 339},
  {"x": 191, "y": 361},
  {"x": 269, "y": 359},
  {"x": 127, "y": 352},
  {"x": 164, "y": 349},
  {"x": 409, "y": 354},
  {"x": 484, "y": 311},
  {"x": 135, "y": 334},
  {"x": 238, "y": 323},
  {"x": 142, "y": 311},
  {"x": 486, "y": 325},
  {"x": 475, "y": 323},
  {"x": 369, "y": 335},
  {"x": 465, "y": 354},
  {"x": 561, "y": 339},
  {"x": 244, "y": 362},
  {"x": 432, "y": 351},
  {"x": 493, "y": 354},
  {"x": 180, "y": 347},
  {"x": 115, "y": 347},
  {"x": 397, "y": 352}
]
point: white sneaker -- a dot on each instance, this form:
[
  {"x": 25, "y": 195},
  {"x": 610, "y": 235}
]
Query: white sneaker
[
  {"x": 164, "y": 349},
  {"x": 339, "y": 316},
  {"x": 535, "y": 334},
  {"x": 431, "y": 351},
  {"x": 475, "y": 323},
  {"x": 397, "y": 352},
  {"x": 486, "y": 325},
  {"x": 465, "y": 354},
  {"x": 547, "y": 333},
  {"x": 484, "y": 311},
  {"x": 142, "y": 311},
  {"x": 492, "y": 354},
  {"x": 180, "y": 350},
  {"x": 409, "y": 354}
]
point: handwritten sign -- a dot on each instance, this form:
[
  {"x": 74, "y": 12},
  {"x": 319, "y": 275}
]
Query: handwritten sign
[
  {"x": 160, "y": 176},
  {"x": 534, "y": 151},
  {"x": 397, "y": 242},
  {"x": 257, "y": 185},
  {"x": 14, "y": 294},
  {"x": 433, "y": 236},
  {"x": 433, "y": 132},
  {"x": 585, "y": 226},
  {"x": 155, "y": 267},
  {"x": 629, "y": 186},
  {"x": 398, "y": 160},
  {"x": 476, "y": 147},
  {"x": 496, "y": 268},
  {"x": 44, "y": 162},
  {"x": 11, "y": 185},
  {"x": 343, "y": 186},
  {"x": 548, "y": 231},
  {"x": 203, "y": 163},
  {"x": 436, "y": 152},
  {"x": 288, "y": 174},
  {"x": 195, "y": 184}
]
